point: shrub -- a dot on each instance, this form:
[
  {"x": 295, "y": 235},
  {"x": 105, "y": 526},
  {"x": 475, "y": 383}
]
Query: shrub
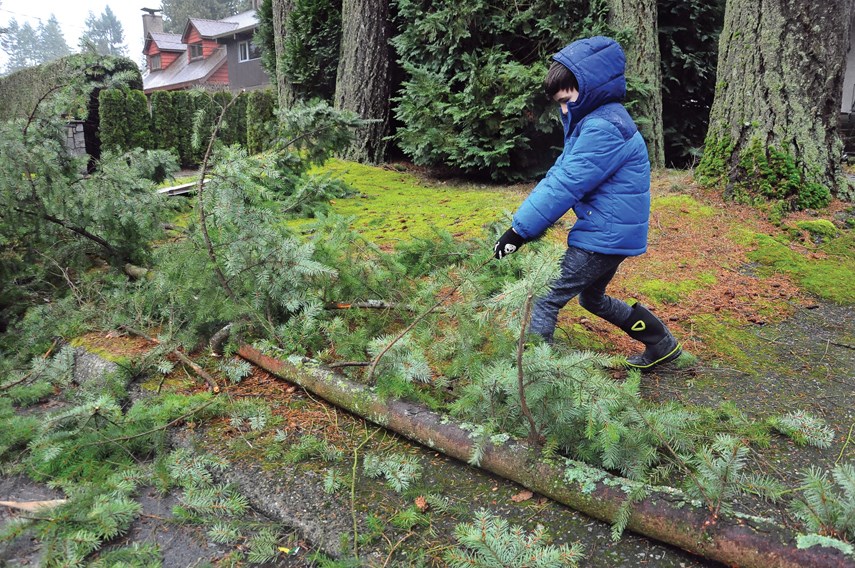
[
  {"x": 164, "y": 123},
  {"x": 111, "y": 104},
  {"x": 471, "y": 97},
  {"x": 260, "y": 107},
  {"x": 182, "y": 102}
]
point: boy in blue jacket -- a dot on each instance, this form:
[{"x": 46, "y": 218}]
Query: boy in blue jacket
[{"x": 603, "y": 174}]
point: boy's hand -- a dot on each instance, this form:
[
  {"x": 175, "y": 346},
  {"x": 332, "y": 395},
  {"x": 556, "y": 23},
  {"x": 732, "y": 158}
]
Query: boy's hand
[{"x": 507, "y": 244}]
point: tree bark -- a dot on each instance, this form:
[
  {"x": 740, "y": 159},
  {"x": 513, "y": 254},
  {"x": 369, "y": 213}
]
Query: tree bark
[
  {"x": 643, "y": 62},
  {"x": 779, "y": 85},
  {"x": 665, "y": 515},
  {"x": 285, "y": 92},
  {"x": 363, "y": 81}
]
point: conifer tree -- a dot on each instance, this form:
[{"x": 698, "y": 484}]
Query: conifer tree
[
  {"x": 104, "y": 34},
  {"x": 51, "y": 43}
]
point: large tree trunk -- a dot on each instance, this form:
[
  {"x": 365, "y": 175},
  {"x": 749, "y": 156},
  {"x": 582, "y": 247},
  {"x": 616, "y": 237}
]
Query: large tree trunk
[
  {"x": 773, "y": 126},
  {"x": 363, "y": 81},
  {"x": 665, "y": 514},
  {"x": 643, "y": 62},
  {"x": 284, "y": 90}
]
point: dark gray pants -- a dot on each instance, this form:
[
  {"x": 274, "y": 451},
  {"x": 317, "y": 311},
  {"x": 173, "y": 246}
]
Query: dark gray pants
[{"x": 586, "y": 274}]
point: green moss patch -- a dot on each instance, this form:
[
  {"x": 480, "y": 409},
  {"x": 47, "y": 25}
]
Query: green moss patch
[
  {"x": 726, "y": 337},
  {"x": 664, "y": 292},
  {"x": 822, "y": 228},
  {"x": 687, "y": 206},
  {"x": 829, "y": 278},
  {"x": 393, "y": 205}
]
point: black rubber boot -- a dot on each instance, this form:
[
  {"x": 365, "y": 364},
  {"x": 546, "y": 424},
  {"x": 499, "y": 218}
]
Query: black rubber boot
[{"x": 660, "y": 345}]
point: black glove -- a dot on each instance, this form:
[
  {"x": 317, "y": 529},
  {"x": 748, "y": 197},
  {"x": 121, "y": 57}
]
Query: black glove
[{"x": 508, "y": 243}]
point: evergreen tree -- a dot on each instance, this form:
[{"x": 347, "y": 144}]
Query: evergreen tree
[
  {"x": 177, "y": 12},
  {"x": 20, "y": 42},
  {"x": 104, "y": 34},
  {"x": 51, "y": 43},
  {"x": 688, "y": 43}
]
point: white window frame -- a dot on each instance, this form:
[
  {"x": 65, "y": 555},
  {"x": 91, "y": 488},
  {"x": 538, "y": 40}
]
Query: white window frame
[
  {"x": 155, "y": 62},
  {"x": 245, "y": 51}
]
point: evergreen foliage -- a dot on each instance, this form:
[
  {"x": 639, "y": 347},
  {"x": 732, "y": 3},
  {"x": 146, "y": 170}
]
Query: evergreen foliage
[
  {"x": 471, "y": 97},
  {"x": 177, "y": 12},
  {"x": 490, "y": 542},
  {"x": 688, "y": 44},
  {"x": 165, "y": 131},
  {"x": 104, "y": 34},
  {"x": 182, "y": 102},
  {"x": 270, "y": 274},
  {"x": 111, "y": 120},
  {"x": 139, "y": 119},
  {"x": 399, "y": 470},
  {"x": 827, "y": 505},
  {"x": 311, "y": 47},
  {"x": 124, "y": 120},
  {"x": 311, "y": 447},
  {"x": 55, "y": 220},
  {"x": 804, "y": 429},
  {"x": 259, "y": 120}
]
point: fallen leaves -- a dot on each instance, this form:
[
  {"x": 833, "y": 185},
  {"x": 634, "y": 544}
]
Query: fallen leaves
[{"x": 523, "y": 495}]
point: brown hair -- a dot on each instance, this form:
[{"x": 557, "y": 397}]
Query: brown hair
[{"x": 559, "y": 78}]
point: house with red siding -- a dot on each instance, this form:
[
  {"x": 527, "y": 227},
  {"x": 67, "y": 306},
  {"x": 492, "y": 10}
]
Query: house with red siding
[{"x": 216, "y": 54}]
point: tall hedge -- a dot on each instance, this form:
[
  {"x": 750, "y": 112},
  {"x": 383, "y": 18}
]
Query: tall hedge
[
  {"x": 20, "y": 91},
  {"x": 260, "y": 109},
  {"x": 164, "y": 124},
  {"x": 112, "y": 121},
  {"x": 183, "y": 106},
  {"x": 138, "y": 120},
  {"x": 472, "y": 98},
  {"x": 236, "y": 122}
]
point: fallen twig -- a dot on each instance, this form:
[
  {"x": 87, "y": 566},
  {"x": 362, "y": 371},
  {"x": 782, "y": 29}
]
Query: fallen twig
[
  {"x": 32, "y": 506},
  {"x": 368, "y": 305},
  {"x": 181, "y": 356},
  {"x": 846, "y": 443}
]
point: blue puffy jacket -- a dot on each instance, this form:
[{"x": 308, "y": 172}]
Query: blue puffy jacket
[{"x": 603, "y": 174}]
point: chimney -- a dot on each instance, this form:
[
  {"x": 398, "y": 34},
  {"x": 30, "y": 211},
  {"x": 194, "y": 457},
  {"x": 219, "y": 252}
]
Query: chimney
[
  {"x": 151, "y": 22},
  {"x": 255, "y": 4}
]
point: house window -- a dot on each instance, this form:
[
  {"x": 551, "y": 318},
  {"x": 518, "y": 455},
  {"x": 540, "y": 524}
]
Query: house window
[
  {"x": 154, "y": 62},
  {"x": 195, "y": 50},
  {"x": 247, "y": 51}
]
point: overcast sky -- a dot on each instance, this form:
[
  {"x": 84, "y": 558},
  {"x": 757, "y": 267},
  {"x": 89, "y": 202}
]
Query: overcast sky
[{"x": 71, "y": 15}]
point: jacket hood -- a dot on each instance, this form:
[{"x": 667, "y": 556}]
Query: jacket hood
[{"x": 598, "y": 64}]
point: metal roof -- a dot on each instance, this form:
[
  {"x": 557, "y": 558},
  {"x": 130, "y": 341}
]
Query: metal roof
[
  {"x": 182, "y": 73},
  {"x": 168, "y": 42},
  {"x": 245, "y": 21},
  {"x": 209, "y": 28}
]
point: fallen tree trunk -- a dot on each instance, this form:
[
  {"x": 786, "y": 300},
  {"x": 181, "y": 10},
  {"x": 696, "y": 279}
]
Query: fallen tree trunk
[{"x": 665, "y": 515}]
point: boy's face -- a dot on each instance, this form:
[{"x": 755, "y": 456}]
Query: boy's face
[{"x": 564, "y": 97}]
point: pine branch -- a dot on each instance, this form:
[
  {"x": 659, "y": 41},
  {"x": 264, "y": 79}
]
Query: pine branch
[
  {"x": 203, "y": 223},
  {"x": 534, "y": 436},
  {"x": 74, "y": 229},
  {"x": 445, "y": 296}
]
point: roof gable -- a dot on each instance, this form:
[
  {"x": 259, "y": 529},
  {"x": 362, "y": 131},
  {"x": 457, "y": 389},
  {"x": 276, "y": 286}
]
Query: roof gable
[{"x": 164, "y": 42}]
